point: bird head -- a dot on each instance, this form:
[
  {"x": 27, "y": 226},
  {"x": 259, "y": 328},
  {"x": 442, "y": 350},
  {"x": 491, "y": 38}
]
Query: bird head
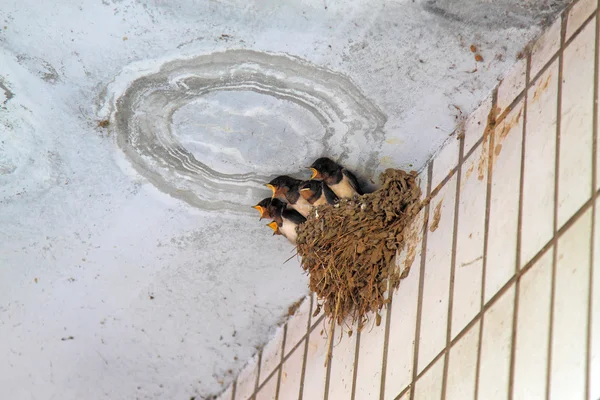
[
  {"x": 263, "y": 207},
  {"x": 273, "y": 225},
  {"x": 323, "y": 168},
  {"x": 308, "y": 189},
  {"x": 281, "y": 185}
]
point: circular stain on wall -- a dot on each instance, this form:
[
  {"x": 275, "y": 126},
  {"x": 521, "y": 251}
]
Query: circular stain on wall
[{"x": 211, "y": 130}]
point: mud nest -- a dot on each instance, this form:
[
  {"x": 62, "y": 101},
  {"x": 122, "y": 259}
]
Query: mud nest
[{"x": 349, "y": 249}]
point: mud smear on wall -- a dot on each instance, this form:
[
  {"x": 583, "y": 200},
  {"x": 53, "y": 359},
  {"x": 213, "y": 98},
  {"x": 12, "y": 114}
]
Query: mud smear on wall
[
  {"x": 497, "y": 14},
  {"x": 211, "y": 130},
  {"x": 7, "y": 93}
]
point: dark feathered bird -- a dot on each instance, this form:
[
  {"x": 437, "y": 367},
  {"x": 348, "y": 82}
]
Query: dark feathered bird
[
  {"x": 318, "y": 193},
  {"x": 287, "y": 189},
  {"x": 285, "y": 222},
  {"x": 343, "y": 183},
  {"x": 267, "y": 207}
]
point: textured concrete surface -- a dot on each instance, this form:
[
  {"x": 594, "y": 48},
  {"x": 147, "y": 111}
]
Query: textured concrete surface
[{"x": 131, "y": 265}]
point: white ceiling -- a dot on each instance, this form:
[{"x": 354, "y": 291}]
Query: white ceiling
[{"x": 131, "y": 263}]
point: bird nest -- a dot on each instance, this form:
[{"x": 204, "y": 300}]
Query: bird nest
[{"x": 349, "y": 249}]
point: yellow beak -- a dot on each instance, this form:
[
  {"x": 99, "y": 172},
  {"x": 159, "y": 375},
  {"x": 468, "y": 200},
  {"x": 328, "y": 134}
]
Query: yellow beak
[
  {"x": 273, "y": 189},
  {"x": 315, "y": 173},
  {"x": 260, "y": 209},
  {"x": 273, "y": 225},
  {"x": 305, "y": 193}
]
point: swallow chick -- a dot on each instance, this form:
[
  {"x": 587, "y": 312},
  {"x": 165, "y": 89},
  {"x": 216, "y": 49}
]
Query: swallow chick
[
  {"x": 267, "y": 207},
  {"x": 343, "y": 183},
  {"x": 287, "y": 189},
  {"x": 273, "y": 225},
  {"x": 285, "y": 222},
  {"x": 318, "y": 193}
]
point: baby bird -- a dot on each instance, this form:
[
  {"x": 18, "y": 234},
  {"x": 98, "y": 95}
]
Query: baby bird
[
  {"x": 267, "y": 207},
  {"x": 287, "y": 189},
  {"x": 318, "y": 193},
  {"x": 343, "y": 183},
  {"x": 273, "y": 225},
  {"x": 285, "y": 221}
]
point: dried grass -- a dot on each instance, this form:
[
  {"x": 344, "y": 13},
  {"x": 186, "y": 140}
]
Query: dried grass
[{"x": 349, "y": 249}]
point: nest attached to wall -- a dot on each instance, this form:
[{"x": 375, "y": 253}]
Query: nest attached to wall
[{"x": 349, "y": 249}]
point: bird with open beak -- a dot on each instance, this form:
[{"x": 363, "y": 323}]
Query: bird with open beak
[
  {"x": 267, "y": 207},
  {"x": 318, "y": 193},
  {"x": 343, "y": 183},
  {"x": 287, "y": 189},
  {"x": 273, "y": 225},
  {"x": 285, "y": 221}
]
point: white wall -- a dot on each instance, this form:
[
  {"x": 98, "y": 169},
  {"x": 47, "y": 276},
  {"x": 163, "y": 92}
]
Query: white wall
[{"x": 503, "y": 300}]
